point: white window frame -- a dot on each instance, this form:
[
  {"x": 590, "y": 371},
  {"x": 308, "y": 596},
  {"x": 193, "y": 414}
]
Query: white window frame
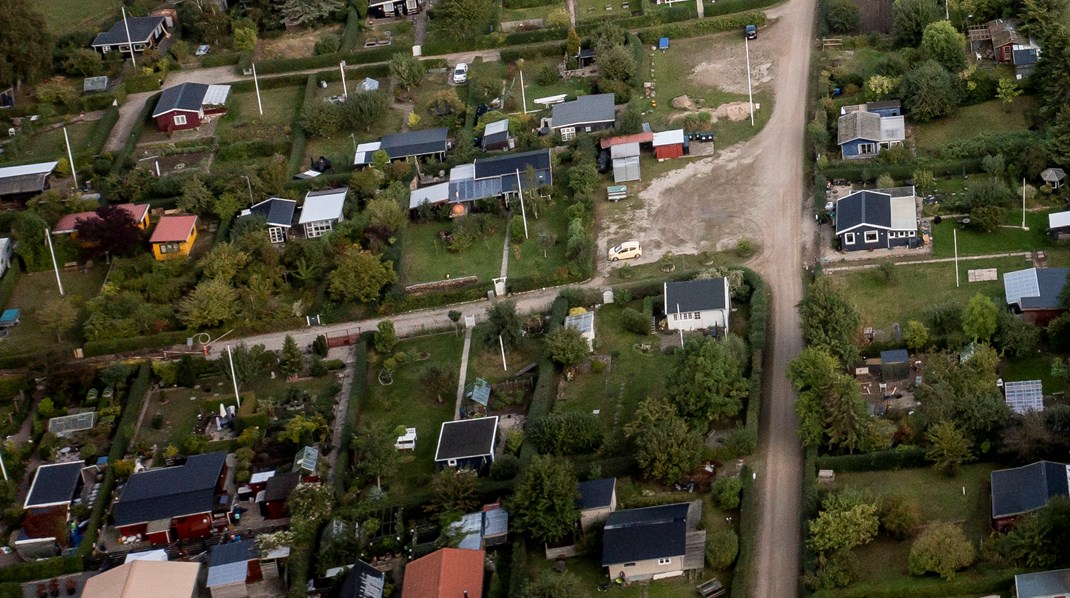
[
  {"x": 867, "y": 149},
  {"x": 568, "y": 133},
  {"x": 867, "y": 238},
  {"x": 452, "y": 462},
  {"x": 180, "y": 119},
  {"x": 698, "y": 315},
  {"x": 276, "y": 234},
  {"x": 170, "y": 247},
  {"x": 912, "y": 233},
  {"x": 318, "y": 228},
  {"x": 849, "y": 238},
  {"x": 664, "y": 561}
]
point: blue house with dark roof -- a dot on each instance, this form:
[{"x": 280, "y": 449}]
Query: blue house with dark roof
[
  {"x": 277, "y": 213},
  {"x": 697, "y": 304},
  {"x": 654, "y": 542},
  {"x": 145, "y": 33},
  {"x": 467, "y": 444},
  {"x": 868, "y": 220},
  {"x": 409, "y": 144},
  {"x": 1021, "y": 490},
  {"x": 598, "y": 498},
  {"x": 1034, "y": 293}
]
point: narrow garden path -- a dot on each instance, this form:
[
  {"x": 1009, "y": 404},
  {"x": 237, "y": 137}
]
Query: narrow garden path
[
  {"x": 505, "y": 254},
  {"x": 463, "y": 373},
  {"x": 941, "y": 260},
  {"x": 341, "y": 408}
]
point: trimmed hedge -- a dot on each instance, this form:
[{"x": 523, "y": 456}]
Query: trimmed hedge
[
  {"x": 963, "y": 584},
  {"x": 351, "y": 34},
  {"x": 542, "y": 402},
  {"x": 223, "y": 59},
  {"x": 868, "y": 172},
  {"x": 257, "y": 148},
  {"x": 297, "y": 150},
  {"x": 903, "y": 457},
  {"x": 699, "y": 27},
  {"x": 357, "y": 392},
  {"x": 286, "y": 65},
  {"x": 725, "y": 7},
  {"x": 748, "y": 528},
  {"x": 135, "y": 343},
  {"x": 527, "y": 3},
  {"x": 141, "y": 83},
  {"x": 46, "y": 569},
  {"x": 509, "y": 55},
  {"x": 98, "y": 135}
]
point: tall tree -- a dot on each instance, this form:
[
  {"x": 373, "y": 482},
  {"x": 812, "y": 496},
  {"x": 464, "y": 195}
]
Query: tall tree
[
  {"x": 948, "y": 447},
  {"x": 708, "y": 381},
  {"x": 211, "y": 303},
  {"x": 943, "y": 549},
  {"x": 455, "y": 490},
  {"x": 567, "y": 346},
  {"x": 58, "y": 315},
  {"x": 846, "y": 520},
  {"x": 941, "y": 42},
  {"x": 979, "y": 318},
  {"x": 26, "y": 46},
  {"x": 1059, "y": 136},
  {"x": 843, "y": 16},
  {"x": 309, "y": 505},
  {"x": 504, "y": 321},
  {"x": 249, "y": 362},
  {"x": 665, "y": 448},
  {"x": 544, "y": 504},
  {"x": 360, "y": 275},
  {"x": 909, "y": 19},
  {"x": 929, "y": 91},
  {"x": 375, "y": 445},
  {"x": 1053, "y": 71},
  {"x": 195, "y": 198},
  {"x": 964, "y": 392},
  {"x": 305, "y": 12},
  {"x": 464, "y": 19},
  {"x": 112, "y": 231},
  {"x": 812, "y": 373},
  {"x": 407, "y": 71},
  {"x": 916, "y": 335},
  {"x": 846, "y": 417},
  {"x": 1039, "y": 539},
  {"x": 291, "y": 361},
  {"x": 829, "y": 321}
]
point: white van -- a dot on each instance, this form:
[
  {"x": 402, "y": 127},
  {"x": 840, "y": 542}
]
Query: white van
[{"x": 626, "y": 251}]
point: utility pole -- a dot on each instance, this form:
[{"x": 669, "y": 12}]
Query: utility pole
[
  {"x": 233, "y": 376},
  {"x": 70, "y": 156},
  {"x": 1024, "y": 227},
  {"x": 955, "y": 232},
  {"x": 129, "y": 42},
  {"x": 55, "y": 265},
  {"x": 750, "y": 92},
  {"x": 520, "y": 194},
  {"x": 342, "y": 67},
  {"x": 2, "y": 467},
  {"x": 256, "y": 83}
]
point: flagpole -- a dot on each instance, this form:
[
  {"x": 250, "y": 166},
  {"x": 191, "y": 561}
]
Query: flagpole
[
  {"x": 342, "y": 67},
  {"x": 74, "y": 173},
  {"x": 256, "y": 84},
  {"x": 129, "y": 42},
  {"x": 233, "y": 376}
]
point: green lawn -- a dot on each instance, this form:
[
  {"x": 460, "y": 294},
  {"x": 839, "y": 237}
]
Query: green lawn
[
  {"x": 49, "y": 145},
  {"x": 525, "y": 14},
  {"x": 526, "y": 258},
  {"x": 426, "y": 259},
  {"x": 572, "y": 86},
  {"x": 1033, "y": 368},
  {"x": 941, "y": 498},
  {"x": 969, "y": 121},
  {"x": 32, "y": 292},
  {"x": 1002, "y": 240},
  {"x": 916, "y": 288},
  {"x": 78, "y": 15},
  {"x": 243, "y": 121},
  {"x": 407, "y": 403}
]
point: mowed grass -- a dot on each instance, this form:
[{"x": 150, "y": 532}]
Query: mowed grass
[
  {"x": 916, "y": 288},
  {"x": 407, "y": 403},
  {"x": 426, "y": 259},
  {"x": 941, "y": 499},
  {"x": 969, "y": 121},
  {"x": 526, "y": 257},
  {"x": 595, "y": 10},
  {"x": 50, "y": 145},
  {"x": 1001, "y": 240},
  {"x": 243, "y": 121},
  {"x": 572, "y": 86},
  {"x": 69, "y": 16},
  {"x": 31, "y": 294}
]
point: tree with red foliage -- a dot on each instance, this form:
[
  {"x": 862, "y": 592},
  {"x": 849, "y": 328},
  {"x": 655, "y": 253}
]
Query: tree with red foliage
[{"x": 113, "y": 231}]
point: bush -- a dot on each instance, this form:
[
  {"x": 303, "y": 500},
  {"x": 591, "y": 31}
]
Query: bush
[
  {"x": 722, "y": 547},
  {"x": 318, "y": 368},
  {"x": 942, "y": 548},
  {"x": 319, "y": 346},
  {"x": 568, "y": 433},
  {"x": 505, "y": 467},
  {"x": 327, "y": 44},
  {"x": 634, "y": 321},
  {"x": 726, "y": 493},
  {"x": 903, "y": 457}
]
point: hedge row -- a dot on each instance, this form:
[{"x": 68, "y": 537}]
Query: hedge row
[
  {"x": 351, "y": 34},
  {"x": 98, "y": 135},
  {"x": 542, "y": 401},
  {"x": 725, "y": 7},
  {"x": 286, "y": 65},
  {"x": 527, "y": 3},
  {"x": 357, "y": 391},
  {"x": 510, "y": 55},
  {"x": 699, "y": 27},
  {"x": 135, "y": 343},
  {"x": 135, "y": 133},
  {"x": 257, "y": 148},
  {"x": 748, "y": 528},
  {"x": 903, "y": 457},
  {"x": 870, "y": 171},
  {"x": 757, "y": 337},
  {"x": 297, "y": 150},
  {"x": 141, "y": 83},
  {"x": 989, "y": 582},
  {"x": 46, "y": 569},
  {"x": 222, "y": 59}
]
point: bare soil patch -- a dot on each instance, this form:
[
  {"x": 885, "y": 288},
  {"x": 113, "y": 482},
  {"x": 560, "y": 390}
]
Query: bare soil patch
[
  {"x": 293, "y": 44},
  {"x": 733, "y": 111},
  {"x": 727, "y": 68}
]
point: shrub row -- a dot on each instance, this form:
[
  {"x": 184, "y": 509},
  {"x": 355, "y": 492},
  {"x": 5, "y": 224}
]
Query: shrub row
[
  {"x": 509, "y": 55},
  {"x": 257, "y": 148},
  {"x": 869, "y": 172},
  {"x": 903, "y": 457},
  {"x": 725, "y": 7},
  {"x": 135, "y": 133},
  {"x": 101, "y": 101},
  {"x": 141, "y": 83},
  {"x": 98, "y": 135},
  {"x": 748, "y": 528},
  {"x": 221, "y": 59},
  {"x": 46, "y": 569},
  {"x": 542, "y": 401},
  {"x": 297, "y": 150},
  {"x": 757, "y": 335},
  {"x": 990, "y": 582},
  {"x": 135, "y": 343},
  {"x": 526, "y": 3},
  {"x": 286, "y": 65},
  {"x": 699, "y": 27},
  {"x": 357, "y": 391},
  {"x": 351, "y": 34}
]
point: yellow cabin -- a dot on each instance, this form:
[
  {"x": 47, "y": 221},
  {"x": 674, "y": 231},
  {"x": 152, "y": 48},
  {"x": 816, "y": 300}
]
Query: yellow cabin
[{"x": 174, "y": 237}]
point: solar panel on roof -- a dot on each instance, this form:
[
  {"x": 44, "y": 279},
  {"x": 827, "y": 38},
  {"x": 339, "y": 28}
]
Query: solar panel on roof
[
  {"x": 1022, "y": 283},
  {"x": 1024, "y": 396},
  {"x": 68, "y": 424}
]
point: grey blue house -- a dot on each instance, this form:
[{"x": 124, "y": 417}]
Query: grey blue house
[
  {"x": 585, "y": 114},
  {"x": 1021, "y": 490},
  {"x": 863, "y": 131},
  {"x": 409, "y": 144},
  {"x": 1042, "y": 584},
  {"x": 874, "y": 220},
  {"x": 467, "y": 444},
  {"x": 277, "y": 213}
]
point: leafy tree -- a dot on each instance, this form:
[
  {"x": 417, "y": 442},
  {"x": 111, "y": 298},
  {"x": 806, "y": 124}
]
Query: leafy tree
[
  {"x": 406, "y": 70},
  {"x": 845, "y": 521},
  {"x": 386, "y": 338},
  {"x": 1031, "y": 438},
  {"x": 979, "y": 318},
  {"x": 963, "y": 392},
  {"x": 361, "y": 110},
  {"x": 943, "y": 549},
  {"x": 360, "y": 275},
  {"x": 1014, "y": 336},
  {"x": 567, "y": 346},
  {"x": 58, "y": 315},
  {"x": 309, "y": 504},
  {"x": 583, "y": 178},
  {"x": 941, "y": 42},
  {"x": 722, "y": 548},
  {"x": 846, "y": 416},
  {"x": 211, "y": 303},
  {"x": 321, "y": 119},
  {"x": 244, "y": 38},
  {"x": 616, "y": 63},
  {"x": 572, "y": 44},
  {"x": 84, "y": 62},
  {"x": 1059, "y": 137},
  {"x": 948, "y": 447},
  {"x": 249, "y": 362},
  {"x": 224, "y": 261},
  {"x": 386, "y": 210},
  {"x": 726, "y": 491},
  {"x": 924, "y": 181},
  {"x": 455, "y": 490},
  {"x": 812, "y": 373},
  {"x": 899, "y": 515},
  {"x": 1052, "y": 73},
  {"x": 566, "y": 433},
  {"x": 375, "y": 446},
  {"x": 195, "y": 198},
  {"x": 544, "y": 504},
  {"x": 929, "y": 90},
  {"x": 26, "y": 46},
  {"x": 1040, "y": 538},
  {"x": 910, "y": 18},
  {"x": 305, "y": 12},
  {"x": 464, "y": 19},
  {"x": 916, "y": 335},
  {"x": 503, "y": 321},
  {"x": 1006, "y": 91},
  {"x": 986, "y": 218},
  {"x": 113, "y": 231},
  {"x": 303, "y": 431},
  {"x": 708, "y": 381},
  {"x": 829, "y": 321},
  {"x": 843, "y": 16},
  {"x": 546, "y": 239},
  {"x": 665, "y": 448},
  {"x": 292, "y": 361},
  {"x": 550, "y": 584},
  {"x": 228, "y": 205}
]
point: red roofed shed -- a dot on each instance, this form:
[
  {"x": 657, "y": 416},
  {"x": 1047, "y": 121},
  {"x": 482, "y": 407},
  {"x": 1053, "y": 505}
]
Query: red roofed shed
[
  {"x": 644, "y": 137},
  {"x": 445, "y": 573}
]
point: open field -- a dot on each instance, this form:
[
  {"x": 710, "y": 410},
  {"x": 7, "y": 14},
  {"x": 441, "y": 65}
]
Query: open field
[
  {"x": 426, "y": 259},
  {"x": 33, "y": 291},
  {"x": 70, "y": 16},
  {"x": 49, "y": 145},
  {"x": 968, "y": 121},
  {"x": 916, "y": 288}
]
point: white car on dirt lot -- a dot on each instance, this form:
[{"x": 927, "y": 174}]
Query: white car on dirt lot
[{"x": 626, "y": 251}]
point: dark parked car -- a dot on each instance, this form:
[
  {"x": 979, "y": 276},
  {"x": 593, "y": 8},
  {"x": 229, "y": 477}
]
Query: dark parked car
[{"x": 751, "y": 31}]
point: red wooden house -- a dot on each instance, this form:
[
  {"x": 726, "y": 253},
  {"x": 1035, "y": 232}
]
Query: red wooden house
[
  {"x": 670, "y": 144},
  {"x": 272, "y": 499},
  {"x": 172, "y": 503},
  {"x": 187, "y": 105}
]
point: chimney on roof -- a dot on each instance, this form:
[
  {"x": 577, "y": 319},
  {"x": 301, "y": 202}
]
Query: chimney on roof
[{"x": 466, "y": 594}]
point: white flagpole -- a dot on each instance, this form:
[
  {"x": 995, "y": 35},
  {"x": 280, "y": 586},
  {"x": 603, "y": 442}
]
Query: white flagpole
[
  {"x": 256, "y": 84},
  {"x": 233, "y": 376},
  {"x": 520, "y": 194},
  {"x": 74, "y": 173},
  {"x": 129, "y": 42},
  {"x": 955, "y": 232},
  {"x": 342, "y": 67},
  {"x": 523, "y": 93},
  {"x": 1023, "y": 204},
  {"x": 750, "y": 94},
  {"x": 55, "y": 265},
  {"x": 501, "y": 344}
]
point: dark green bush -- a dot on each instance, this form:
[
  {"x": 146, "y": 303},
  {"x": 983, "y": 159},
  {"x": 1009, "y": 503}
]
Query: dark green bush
[
  {"x": 903, "y": 457},
  {"x": 505, "y": 467},
  {"x": 568, "y": 433},
  {"x": 634, "y": 321}
]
